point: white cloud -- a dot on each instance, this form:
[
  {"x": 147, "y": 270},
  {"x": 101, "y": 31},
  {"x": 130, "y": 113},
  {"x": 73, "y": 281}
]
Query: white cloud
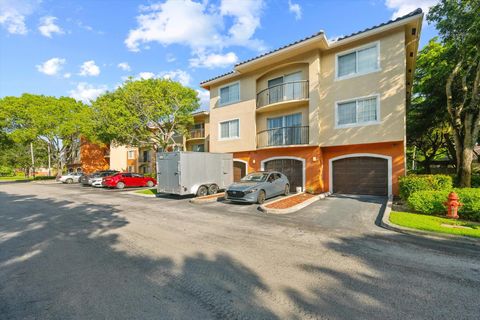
[
  {"x": 296, "y": 9},
  {"x": 52, "y": 66},
  {"x": 48, "y": 27},
  {"x": 13, "y": 14},
  {"x": 198, "y": 25},
  {"x": 403, "y": 7},
  {"x": 177, "y": 75},
  {"x": 214, "y": 60},
  {"x": 170, "y": 57},
  {"x": 89, "y": 68},
  {"x": 146, "y": 75},
  {"x": 86, "y": 92},
  {"x": 204, "y": 97},
  {"x": 124, "y": 66},
  {"x": 67, "y": 75}
]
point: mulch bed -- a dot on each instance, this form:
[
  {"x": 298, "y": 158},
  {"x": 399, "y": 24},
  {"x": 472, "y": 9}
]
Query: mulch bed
[{"x": 291, "y": 201}]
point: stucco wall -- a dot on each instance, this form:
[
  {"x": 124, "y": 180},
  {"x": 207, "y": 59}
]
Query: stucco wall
[{"x": 388, "y": 83}]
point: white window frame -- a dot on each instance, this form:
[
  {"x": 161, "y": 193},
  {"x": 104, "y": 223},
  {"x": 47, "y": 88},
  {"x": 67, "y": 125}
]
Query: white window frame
[
  {"x": 128, "y": 155},
  {"x": 356, "y": 49},
  {"x": 220, "y": 130},
  {"x": 358, "y": 124},
  {"x": 220, "y": 103}
]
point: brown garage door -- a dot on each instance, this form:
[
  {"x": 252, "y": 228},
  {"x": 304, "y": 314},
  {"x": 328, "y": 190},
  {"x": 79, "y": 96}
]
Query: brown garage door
[
  {"x": 239, "y": 170},
  {"x": 360, "y": 175},
  {"x": 292, "y": 168}
]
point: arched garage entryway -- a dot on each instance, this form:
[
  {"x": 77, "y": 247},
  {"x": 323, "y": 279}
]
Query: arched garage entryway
[
  {"x": 362, "y": 174},
  {"x": 240, "y": 169},
  {"x": 293, "y": 168}
]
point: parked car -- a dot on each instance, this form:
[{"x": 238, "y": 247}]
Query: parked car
[
  {"x": 258, "y": 186},
  {"x": 87, "y": 180},
  {"x": 126, "y": 179},
  {"x": 72, "y": 177}
]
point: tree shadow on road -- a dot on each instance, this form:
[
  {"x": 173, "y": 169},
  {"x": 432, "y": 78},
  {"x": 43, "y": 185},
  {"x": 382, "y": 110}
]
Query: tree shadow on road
[
  {"x": 61, "y": 259},
  {"x": 395, "y": 283}
]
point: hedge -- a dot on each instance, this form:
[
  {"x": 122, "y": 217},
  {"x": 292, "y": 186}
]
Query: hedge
[
  {"x": 44, "y": 177},
  {"x": 431, "y": 202},
  {"x": 413, "y": 183},
  {"x": 6, "y": 171}
]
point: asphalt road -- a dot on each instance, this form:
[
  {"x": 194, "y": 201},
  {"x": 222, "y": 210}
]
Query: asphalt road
[{"x": 68, "y": 252}]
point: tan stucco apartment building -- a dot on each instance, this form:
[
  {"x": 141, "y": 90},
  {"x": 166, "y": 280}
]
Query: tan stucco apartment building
[{"x": 329, "y": 114}]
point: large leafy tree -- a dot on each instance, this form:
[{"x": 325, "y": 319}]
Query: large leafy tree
[
  {"x": 145, "y": 112},
  {"x": 458, "y": 23},
  {"x": 428, "y": 129},
  {"x": 58, "y": 122}
]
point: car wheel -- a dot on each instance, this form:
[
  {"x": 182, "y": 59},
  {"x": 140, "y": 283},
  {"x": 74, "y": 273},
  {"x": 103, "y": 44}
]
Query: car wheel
[
  {"x": 212, "y": 189},
  {"x": 261, "y": 197},
  {"x": 287, "y": 190},
  {"x": 202, "y": 191},
  {"x": 150, "y": 184},
  {"x": 120, "y": 185},
  {"x": 69, "y": 181}
]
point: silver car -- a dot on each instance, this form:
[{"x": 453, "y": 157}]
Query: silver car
[
  {"x": 258, "y": 186},
  {"x": 72, "y": 177}
]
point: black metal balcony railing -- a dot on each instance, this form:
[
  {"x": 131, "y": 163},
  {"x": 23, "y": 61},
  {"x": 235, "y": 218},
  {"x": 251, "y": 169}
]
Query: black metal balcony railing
[
  {"x": 284, "y": 136},
  {"x": 197, "y": 133},
  {"x": 288, "y": 91}
]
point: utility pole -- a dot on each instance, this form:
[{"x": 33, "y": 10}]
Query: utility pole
[{"x": 33, "y": 159}]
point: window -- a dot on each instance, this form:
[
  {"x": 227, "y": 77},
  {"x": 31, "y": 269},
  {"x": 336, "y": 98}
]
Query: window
[
  {"x": 358, "y": 112},
  {"x": 230, "y": 129},
  {"x": 146, "y": 156},
  {"x": 130, "y": 169},
  {"x": 131, "y": 154},
  {"x": 360, "y": 61},
  {"x": 230, "y": 93},
  {"x": 285, "y": 130},
  {"x": 285, "y": 88}
]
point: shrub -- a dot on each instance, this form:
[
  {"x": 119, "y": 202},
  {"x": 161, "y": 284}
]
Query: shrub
[
  {"x": 44, "y": 177},
  {"x": 6, "y": 171},
  {"x": 150, "y": 175},
  {"x": 428, "y": 201},
  {"x": 413, "y": 183},
  {"x": 476, "y": 180},
  {"x": 431, "y": 202}
]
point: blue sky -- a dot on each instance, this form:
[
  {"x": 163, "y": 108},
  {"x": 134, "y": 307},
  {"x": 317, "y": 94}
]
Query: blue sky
[{"x": 83, "y": 48}]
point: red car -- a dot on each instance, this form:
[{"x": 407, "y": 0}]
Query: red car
[{"x": 126, "y": 179}]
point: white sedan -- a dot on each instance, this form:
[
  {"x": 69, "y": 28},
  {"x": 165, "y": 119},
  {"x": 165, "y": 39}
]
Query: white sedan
[
  {"x": 71, "y": 177},
  {"x": 97, "y": 182}
]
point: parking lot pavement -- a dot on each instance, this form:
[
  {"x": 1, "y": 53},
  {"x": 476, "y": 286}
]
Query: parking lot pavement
[{"x": 73, "y": 253}]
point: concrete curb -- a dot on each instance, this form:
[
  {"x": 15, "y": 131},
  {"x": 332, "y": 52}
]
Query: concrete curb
[
  {"x": 427, "y": 234},
  {"x": 293, "y": 209},
  {"x": 141, "y": 194},
  {"x": 208, "y": 199}
]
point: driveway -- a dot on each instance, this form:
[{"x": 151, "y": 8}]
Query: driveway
[{"x": 73, "y": 253}]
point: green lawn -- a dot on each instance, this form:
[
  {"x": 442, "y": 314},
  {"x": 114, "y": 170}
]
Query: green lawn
[
  {"x": 14, "y": 178},
  {"x": 152, "y": 191},
  {"x": 433, "y": 223}
]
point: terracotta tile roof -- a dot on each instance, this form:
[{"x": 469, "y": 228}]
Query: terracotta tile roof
[
  {"x": 411, "y": 14},
  {"x": 281, "y": 48}
]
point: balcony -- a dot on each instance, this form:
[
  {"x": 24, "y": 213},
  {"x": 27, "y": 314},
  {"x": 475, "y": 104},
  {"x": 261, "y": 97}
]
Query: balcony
[
  {"x": 196, "y": 134},
  {"x": 294, "y": 91},
  {"x": 283, "y": 136}
]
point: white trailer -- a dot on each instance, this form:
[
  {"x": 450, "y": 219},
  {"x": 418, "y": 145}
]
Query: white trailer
[{"x": 198, "y": 173}]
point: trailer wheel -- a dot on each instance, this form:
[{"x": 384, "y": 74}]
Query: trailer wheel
[
  {"x": 202, "y": 191},
  {"x": 212, "y": 189}
]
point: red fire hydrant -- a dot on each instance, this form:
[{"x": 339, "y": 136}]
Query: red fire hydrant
[{"x": 452, "y": 205}]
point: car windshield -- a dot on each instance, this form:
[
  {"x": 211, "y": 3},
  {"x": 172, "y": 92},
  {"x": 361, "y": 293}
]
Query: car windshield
[{"x": 255, "y": 177}]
